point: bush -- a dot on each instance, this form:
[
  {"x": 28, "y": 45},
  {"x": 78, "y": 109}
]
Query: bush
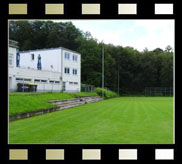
[{"x": 107, "y": 93}]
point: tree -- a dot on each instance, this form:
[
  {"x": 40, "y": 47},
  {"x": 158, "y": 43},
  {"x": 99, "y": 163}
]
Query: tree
[
  {"x": 169, "y": 49},
  {"x": 125, "y": 67}
]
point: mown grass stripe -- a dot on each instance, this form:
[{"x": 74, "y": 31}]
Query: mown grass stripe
[{"x": 119, "y": 120}]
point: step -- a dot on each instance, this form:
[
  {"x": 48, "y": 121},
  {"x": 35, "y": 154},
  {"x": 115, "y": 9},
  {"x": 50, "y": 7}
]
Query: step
[
  {"x": 77, "y": 101},
  {"x": 64, "y": 100},
  {"x": 71, "y": 104},
  {"x": 74, "y": 100},
  {"x": 61, "y": 102}
]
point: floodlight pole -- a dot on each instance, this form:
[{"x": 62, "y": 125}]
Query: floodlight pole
[{"x": 102, "y": 69}]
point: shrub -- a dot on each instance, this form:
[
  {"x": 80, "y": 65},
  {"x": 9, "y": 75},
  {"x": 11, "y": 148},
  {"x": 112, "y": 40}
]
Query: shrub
[{"x": 107, "y": 93}]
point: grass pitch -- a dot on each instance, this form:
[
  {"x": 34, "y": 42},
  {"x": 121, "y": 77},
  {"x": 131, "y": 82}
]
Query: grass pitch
[{"x": 122, "y": 120}]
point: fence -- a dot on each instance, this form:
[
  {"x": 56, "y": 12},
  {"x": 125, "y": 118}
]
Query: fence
[
  {"x": 159, "y": 91},
  {"x": 87, "y": 88}
]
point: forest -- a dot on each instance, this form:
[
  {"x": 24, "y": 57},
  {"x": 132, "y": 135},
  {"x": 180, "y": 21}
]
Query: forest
[{"x": 127, "y": 70}]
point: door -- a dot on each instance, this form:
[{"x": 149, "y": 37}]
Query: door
[{"x": 64, "y": 86}]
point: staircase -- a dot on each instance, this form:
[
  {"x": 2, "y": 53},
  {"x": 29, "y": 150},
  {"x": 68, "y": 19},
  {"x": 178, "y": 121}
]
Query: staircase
[
  {"x": 69, "y": 103},
  {"x": 61, "y": 104}
]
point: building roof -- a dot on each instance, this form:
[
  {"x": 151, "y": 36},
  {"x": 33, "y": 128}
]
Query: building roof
[
  {"x": 45, "y": 49},
  {"x": 13, "y": 43}
]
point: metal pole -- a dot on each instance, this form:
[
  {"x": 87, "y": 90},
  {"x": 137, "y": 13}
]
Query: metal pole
[{"x": 102, "y": 69}]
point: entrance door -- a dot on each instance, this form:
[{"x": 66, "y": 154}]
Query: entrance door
[{"x": 64, "y": 86}]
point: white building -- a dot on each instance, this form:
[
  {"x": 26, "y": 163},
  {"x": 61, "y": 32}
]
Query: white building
[{"x": 60, "y": 68}]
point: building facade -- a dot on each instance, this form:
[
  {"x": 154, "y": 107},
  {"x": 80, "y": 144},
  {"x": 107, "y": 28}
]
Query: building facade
[{"x": 52, "y": 69}]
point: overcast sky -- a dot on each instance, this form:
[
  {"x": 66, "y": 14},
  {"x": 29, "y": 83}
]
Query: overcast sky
[{"x": 139, "y": 34}]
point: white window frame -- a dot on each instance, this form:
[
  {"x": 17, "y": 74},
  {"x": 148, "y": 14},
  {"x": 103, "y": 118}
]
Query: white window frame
[
  {"x": 75, "y": 83},
  {"x": 57, "y": 82},
  {"x": 51, "y": 81},
  {"x": 32, "y": 57},
  {"x": 67, "y": 55},
  {"x": 37, "y": 81},
  {"x": 19, "y": 79},
  {"x": 75, "y": 72},
  {"x": 10, "y": 56},
  {"x": 66, "y": 72},
  {"x": 43, "y": 81},
  {"x": 30, "y": 80},
  {"x": 75, "y": 58}
]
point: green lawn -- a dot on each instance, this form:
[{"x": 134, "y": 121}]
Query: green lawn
[
  {"x": 123, "y": 120},
  {"x": 26, "y": 102}
]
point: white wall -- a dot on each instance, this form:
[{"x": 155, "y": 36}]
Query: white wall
[
  {"x": 11, "y": 80},
  {"x": 48, "y": 57},
  {"x": 22, "y": 73},
  {"x": 56, "y": 58},
  {"x": 69, "y": 63}
]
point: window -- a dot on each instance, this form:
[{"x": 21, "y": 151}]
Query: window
[
  {"x": 67, "y": 55},
  {"x": 36, "y": 80},
  {"x": 44, "y": 81},
  {"x": 10, "y": 59},
  {"x": 19, "y": 79},
  {"x": 27, "y": 79},
  {"x": 74, "y": 71},
  {"x": 74, "y": 58},
  {"x": 57, "y": 82},
  {"x": 66, "y": 70},
  {"x": 51, "y": 66},
  {"x": 51, "y": 81},
  {"x": 70, "y": 82},
  {"x": 76, "y": 83},
  {"x": 32, "y": 56}
]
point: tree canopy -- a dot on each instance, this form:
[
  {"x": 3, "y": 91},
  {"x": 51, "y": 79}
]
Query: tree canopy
[{"x": 135, "y": 70}]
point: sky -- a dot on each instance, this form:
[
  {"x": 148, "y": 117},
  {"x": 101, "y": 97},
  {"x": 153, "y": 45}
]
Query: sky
[{"x": 139, "y": 34}]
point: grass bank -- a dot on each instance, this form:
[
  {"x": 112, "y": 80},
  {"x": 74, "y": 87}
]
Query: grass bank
[{"x": 26, "y": 102}]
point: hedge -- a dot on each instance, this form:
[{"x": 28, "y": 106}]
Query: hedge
[{"x": 107, "y": 93}]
